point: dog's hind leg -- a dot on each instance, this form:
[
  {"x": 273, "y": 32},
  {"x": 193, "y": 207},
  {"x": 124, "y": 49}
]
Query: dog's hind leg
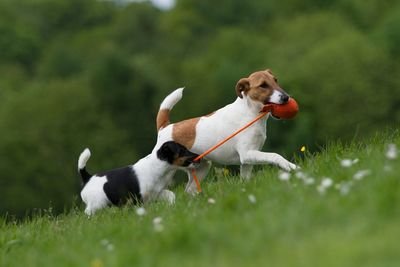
[
  {"x": 201, "y": 173},
  {"x": 245, "y": 171}
]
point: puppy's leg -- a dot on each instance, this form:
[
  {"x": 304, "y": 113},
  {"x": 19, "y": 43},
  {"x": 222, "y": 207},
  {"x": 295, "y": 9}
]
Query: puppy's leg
[
  {"x": 167, "y": 196},
  {"x": 94, "y": 204},
  {"x": 245, "y": 171},
  {"x": 201, "y": 172},
  {"x": 258, "y": 157},
  {"x": 91, "y": 209},
  {"x": 88, "y": 210}
]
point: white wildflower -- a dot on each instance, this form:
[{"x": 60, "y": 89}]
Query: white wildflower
[
  {"x": 211, "y": 201},
  {"x": 284, "y": 176},
  {"x": 104, "y": 242},
  {"x": 107, "y": 245},
  {"x": 309, "y": 181},
  {"x": 326, "y": 182},
  {"x": 140, "y": 211},
  {"x": 252, "y": 199},
  {"x": 157, "y": 220},
  {"x": 344, "y": 188},
  {"x": 321, "y": 189},
  {"x": 391, "y": 152},
  {"x": 387, "y": 168},
  {"x": 301, "y": 175},
  {"x": 157, "y": 223},
  {"x": 158, "y": 227},
  {"x": 110, "y": 247},
  {"x": 361, "y": 174},
  {"x": 348, "y": 162}
]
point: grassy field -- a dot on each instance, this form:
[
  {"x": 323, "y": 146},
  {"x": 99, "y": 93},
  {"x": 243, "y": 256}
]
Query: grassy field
[{"x": 326, "y": 215}]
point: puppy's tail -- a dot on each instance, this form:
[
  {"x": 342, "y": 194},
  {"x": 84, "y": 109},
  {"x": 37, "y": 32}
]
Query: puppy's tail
[
  {"x": 166, "y": 106},
  {"x": 83, "y": 158}
]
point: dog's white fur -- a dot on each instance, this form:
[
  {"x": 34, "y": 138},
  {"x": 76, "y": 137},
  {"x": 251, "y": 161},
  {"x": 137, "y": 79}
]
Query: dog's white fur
[
  {"x": 170, "y": 101},
  {"x": 243, "y": 149},
  {"x": 149, "y": 171}
]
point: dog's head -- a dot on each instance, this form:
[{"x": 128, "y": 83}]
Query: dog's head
[
  {"x": 176, "y": 154},
  {"x": 262, "y": 87}
]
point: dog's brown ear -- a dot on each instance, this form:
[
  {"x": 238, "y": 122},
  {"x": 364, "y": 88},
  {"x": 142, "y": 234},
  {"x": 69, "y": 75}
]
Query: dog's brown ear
[
  {"x": 269, "y": 71},
  {"x": 242, "y": 85}
]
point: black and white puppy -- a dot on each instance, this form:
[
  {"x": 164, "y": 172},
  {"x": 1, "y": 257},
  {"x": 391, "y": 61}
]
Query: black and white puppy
[{"x": 144, "y": 181}]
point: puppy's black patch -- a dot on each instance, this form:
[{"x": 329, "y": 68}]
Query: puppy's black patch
[
  {"x": 85, "y": 176},
  {"x": 170, "y": 151},
  {"x": 122, "y": 185}
]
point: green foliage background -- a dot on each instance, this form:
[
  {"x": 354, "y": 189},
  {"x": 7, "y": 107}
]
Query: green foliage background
[{"x": 85, "y": 73}]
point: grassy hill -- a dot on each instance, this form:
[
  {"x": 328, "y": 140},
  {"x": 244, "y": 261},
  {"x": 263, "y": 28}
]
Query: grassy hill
[{"x": 342, "y": 209}]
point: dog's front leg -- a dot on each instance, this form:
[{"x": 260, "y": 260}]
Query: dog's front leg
[
  {"x": 201, "y": 172},
  {"x": 245, "y": 171},
  {"x": 258, "y": 157}
]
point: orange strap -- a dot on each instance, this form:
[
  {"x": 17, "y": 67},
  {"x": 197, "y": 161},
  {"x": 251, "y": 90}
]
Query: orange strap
[{"x": 264, "y": 112}]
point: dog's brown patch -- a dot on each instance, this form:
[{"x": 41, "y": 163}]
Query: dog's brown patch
[
  {"x": 260, "y": 95},
  {"x": 162, "y": 120},
  {"x": 259, "y": 86},
  {"x": 184, "y": 132}
]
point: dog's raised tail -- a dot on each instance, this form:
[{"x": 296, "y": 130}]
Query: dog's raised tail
[
  {"x": 166, "y": 106},
  {"x": 83, "y": 158}
]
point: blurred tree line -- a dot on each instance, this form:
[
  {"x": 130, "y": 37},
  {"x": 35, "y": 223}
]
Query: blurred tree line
[{"x": 85, "y": 73}]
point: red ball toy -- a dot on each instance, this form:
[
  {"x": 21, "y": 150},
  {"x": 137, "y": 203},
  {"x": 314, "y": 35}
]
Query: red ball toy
[{"x": 283, "y": 111}]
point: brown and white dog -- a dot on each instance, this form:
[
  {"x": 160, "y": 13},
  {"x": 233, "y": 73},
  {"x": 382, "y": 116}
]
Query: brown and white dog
[{"x": 201, "y": 133}]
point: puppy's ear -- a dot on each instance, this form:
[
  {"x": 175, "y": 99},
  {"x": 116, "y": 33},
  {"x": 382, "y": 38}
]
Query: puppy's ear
[{"x": 242, "y": 85}]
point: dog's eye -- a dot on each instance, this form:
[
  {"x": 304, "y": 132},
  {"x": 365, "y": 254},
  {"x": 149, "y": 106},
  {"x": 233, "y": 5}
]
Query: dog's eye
[
  {"x": 264, "y": 85},
  {"x": 275, "y": 79}
]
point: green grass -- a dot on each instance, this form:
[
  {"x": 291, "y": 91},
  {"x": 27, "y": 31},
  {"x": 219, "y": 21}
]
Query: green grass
[{"x": 290, "y": 224}]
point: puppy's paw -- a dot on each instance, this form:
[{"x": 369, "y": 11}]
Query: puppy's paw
[
  {"x": 89, "y": 212},
  {"x": 168, "y": 196}
]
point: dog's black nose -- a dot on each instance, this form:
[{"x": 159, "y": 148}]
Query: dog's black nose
[{"x": 284, "y": 98}]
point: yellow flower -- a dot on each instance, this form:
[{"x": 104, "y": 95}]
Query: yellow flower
[
  {"x": 303, "y": 149},
  {"x": 226, "y": 171},
  {"x": 96, "y": 263}
]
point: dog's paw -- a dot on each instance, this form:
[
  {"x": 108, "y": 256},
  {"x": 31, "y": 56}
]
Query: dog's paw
[
  {"x": 192, "y": 190},
  {"x": 288, "y": 166}
]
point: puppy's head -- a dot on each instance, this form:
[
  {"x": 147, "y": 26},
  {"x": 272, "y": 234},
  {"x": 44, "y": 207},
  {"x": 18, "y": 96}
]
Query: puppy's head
[
  {"x": 262, "y": 87},
  {"x": 176, "y": 154}
]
